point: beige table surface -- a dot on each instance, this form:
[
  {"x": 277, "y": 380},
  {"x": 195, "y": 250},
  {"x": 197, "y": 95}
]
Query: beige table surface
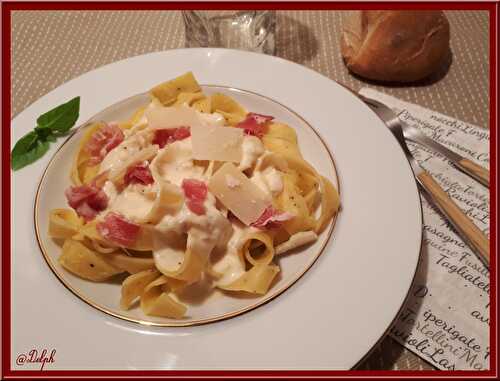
[{"x": 50, "y": 48}]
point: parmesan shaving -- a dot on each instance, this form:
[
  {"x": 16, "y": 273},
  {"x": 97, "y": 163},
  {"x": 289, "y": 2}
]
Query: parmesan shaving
[
  {"x": 169, "y": 117},
  {"x": 246, "y": 201},
  {"x": 232, "y": 182},
  {"x": 217, "y": 143}
]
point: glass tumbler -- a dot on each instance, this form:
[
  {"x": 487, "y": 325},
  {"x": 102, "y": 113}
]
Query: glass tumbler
[{"x": 246, "y": 30}]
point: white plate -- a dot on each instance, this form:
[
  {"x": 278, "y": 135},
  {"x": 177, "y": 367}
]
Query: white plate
[
  {"x": 329, "y": 319},
  {"x": 204, "y": 305}
]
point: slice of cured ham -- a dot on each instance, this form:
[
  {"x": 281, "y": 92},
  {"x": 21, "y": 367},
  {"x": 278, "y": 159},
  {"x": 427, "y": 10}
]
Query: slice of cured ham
[
  {"x": 196, "y": 193},
  {"x": 166, "y": 136},
  {"x": 272, "y": 218},
  {"x": 103, "y": 141},
  {"x": 118, "y": 229},
  {"x": 255, "y": 124},
  {"x": 87, "y": 200},
  {"x": 139, "y": 174}
]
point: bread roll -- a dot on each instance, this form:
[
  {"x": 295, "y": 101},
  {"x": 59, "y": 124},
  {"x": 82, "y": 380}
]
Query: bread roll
[{"x": 396, "y": 46}]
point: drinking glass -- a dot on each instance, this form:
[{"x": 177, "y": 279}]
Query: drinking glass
[{"x": 246, "y": 30}]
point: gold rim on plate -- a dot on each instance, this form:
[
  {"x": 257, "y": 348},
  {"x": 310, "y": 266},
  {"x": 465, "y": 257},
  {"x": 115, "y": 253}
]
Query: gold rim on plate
[{"x": 267, "y": 299}]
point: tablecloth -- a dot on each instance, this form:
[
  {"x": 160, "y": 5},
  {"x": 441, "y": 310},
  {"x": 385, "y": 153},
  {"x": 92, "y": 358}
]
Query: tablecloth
[{"x": 51, "y": 47}]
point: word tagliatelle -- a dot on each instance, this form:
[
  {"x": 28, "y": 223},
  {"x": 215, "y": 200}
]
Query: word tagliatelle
[{"x": 192, "y": 188}]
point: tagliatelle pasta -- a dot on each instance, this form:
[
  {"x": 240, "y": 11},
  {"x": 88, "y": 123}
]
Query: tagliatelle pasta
[
  {"x": 181, "y": 262},
  {"x": 85, "y": 263},
  {"x": 256, "y": 280},
  {"x": 157, "y": 301},
  {"x": 64, "y": 223},
  {"x": 168, "y": 92},
  {"x": 255, "y": 243},
  {"x": 168, "y": 200},
  {"x": 229, "y": 108},
  {"x": 128, "y": 263},
  {"x": 133, "y": 287},
  {"x": 174, "y": 197},
  {"x": 82, "y": 171}
]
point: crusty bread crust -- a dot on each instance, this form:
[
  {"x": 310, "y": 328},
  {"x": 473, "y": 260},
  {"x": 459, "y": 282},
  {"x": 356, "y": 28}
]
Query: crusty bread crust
[{"x": 400, "y": 46}]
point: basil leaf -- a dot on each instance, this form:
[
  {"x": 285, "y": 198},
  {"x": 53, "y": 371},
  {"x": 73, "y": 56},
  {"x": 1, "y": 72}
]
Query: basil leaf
[
  {"x": 35, "y": 152},
  {"x": 48, "y": 134},
  {"x": 24, "y": 144},
  {"x": 61, "y": 118},
  {"x": 50, "y": 126},
  {"x": 58, "y": 134},
  {"x": 43, "y": 133},
  {"x": 51, "y": 138}
]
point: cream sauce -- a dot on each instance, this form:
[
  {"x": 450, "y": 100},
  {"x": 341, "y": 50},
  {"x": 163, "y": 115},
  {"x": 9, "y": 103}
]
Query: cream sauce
[
  {"x": 168, "y": 251},
  {"x": 231, "y": 264},
  {"x": 204, "y": 232},
  {"x": 252, "y": 148},
  {"x": 126, "y": 149},
  {"x": 110, "y": 190},
  {"x": 269, "y": 180},
  {"x": 134, "y": 202},
  {"x": 273, "y": 179},
  {"x": 175, "y": 163}
]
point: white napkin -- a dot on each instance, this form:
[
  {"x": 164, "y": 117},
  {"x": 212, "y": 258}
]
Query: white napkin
[{"x": 446, "y": 318}]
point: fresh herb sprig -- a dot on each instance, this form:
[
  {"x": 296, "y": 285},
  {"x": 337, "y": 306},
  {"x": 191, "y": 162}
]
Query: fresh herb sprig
[{"x": 51, "y": 125}]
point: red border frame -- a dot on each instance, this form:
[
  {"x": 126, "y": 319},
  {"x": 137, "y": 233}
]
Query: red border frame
[{"x": 8, "y": 7}]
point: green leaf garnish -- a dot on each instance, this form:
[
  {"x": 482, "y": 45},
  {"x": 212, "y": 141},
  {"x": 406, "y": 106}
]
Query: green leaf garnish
[
  {"x": 50, "y": 126},
  {"x": 33, "y": 154},
  {"x": 24, "y": 144},
  {"x": 61, "y": 118}
]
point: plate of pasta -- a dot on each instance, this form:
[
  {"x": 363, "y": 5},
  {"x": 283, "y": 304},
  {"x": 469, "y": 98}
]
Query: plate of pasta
[
  {"x": 213, "y": 209},
  {"x": 186, "y": 204}
]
